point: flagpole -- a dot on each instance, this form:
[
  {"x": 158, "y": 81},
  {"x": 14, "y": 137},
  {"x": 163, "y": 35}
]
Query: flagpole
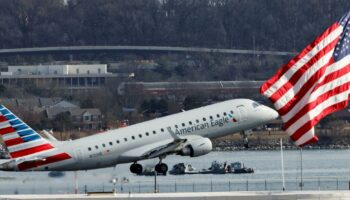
[
  {"x": 282, "y": 164},
  {"x": 301, "y": 169}
]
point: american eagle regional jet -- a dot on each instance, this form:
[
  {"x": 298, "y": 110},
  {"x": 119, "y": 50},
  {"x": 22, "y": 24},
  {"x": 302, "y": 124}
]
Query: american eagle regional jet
[{"x": 187, "y": 133}]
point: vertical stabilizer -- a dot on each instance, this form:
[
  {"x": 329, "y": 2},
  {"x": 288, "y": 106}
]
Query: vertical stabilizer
[{"x": 19, "y": 138}]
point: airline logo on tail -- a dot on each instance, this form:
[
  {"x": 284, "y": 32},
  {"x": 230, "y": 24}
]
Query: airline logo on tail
[{"x": 21, "y": 141}]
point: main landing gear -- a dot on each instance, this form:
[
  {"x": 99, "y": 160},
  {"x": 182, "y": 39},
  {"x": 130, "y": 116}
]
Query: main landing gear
[
  {"x": 136, "y": 168},
  {"x": 160, "y": 168}
]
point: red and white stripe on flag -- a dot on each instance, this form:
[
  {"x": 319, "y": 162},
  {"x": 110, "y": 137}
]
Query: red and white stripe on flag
[{"x": 313, "y": 84}]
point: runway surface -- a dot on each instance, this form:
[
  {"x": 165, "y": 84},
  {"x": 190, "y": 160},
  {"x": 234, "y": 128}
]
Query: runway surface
[{"x": 266, "y": 195}]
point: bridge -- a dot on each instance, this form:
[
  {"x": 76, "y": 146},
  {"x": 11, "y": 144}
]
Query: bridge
[{"x": 134, "y": 49}]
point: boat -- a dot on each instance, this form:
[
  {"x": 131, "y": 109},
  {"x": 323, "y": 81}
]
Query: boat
[
  {"x": 215, "y": 168},
  {"x": 239, "y": 168},
  {"x": 182, "y": 168}
]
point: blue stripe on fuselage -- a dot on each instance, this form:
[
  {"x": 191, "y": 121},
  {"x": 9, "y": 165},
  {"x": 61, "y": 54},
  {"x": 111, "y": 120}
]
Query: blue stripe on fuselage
[
  {"x": 21, "y": 127},
  {"x": 26, "y": 132},
  {"x": 31, "y": 138},
  {"x": 9, "y": 117},
  {"x": 15, "y": 122},
  {"x": 5, "y": 111}
]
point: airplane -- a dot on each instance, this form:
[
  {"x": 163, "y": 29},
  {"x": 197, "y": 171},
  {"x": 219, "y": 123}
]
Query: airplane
[{"x": 187, "y": 133}]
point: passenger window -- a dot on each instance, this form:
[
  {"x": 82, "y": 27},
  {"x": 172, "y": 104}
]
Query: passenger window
[
  {"x": 197, "y": 120},
  {"x": 218, "y": 115},
  {"x": 211, "y": 117},
  {"x": 125, "y": 139},
  {"x": 89, "y": 148},
  {"x": 231, "y": 112},
  {"x": 225, "y": 114},
  {"x": 96, "y": 147},
  {"x": 204, "y": 119},
  {"x": 183, "y": 124},
  {"x": 162, "y": 129},
  {"x": 176, "y": 126},
  {"x": 147, "y": 133},
  {"x": 140, "y": 135},
  {"x": 154, "y": 132},
  {"x": 103, "y": 145},
  {"x": 133, "y": 137},
  {"x": 111, "y": 143},
  {"x": 190, "y": 122},
  {"x": 117, "y": 141}
]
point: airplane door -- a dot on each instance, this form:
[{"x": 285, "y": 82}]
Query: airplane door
[
  {"x": 79, "y": 154},
  {"x": 242, "y": 113}
]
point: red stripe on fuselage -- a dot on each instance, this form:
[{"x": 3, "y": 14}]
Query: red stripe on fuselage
[
  {"x": 31, "y": 150},
  {"x": 2, "y": 118},
  {"x": 48, "y": 160},
  {"x": 7, "y": 130},
  {"x": 14, "y": 141}
]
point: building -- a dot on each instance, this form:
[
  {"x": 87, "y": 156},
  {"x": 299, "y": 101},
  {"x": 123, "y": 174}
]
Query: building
[
  {"x": 224, "y": 89},
  {"x": 81, "y": 118},
  {"x": 68, "y": 69},
  {"x": 69, "y": 76}
]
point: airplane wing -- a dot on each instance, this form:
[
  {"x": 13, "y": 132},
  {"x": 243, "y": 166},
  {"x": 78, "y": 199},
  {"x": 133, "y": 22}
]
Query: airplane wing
[{"x": 161, "y": 148}]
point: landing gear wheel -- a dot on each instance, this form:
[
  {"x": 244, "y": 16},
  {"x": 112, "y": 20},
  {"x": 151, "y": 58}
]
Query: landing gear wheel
[
  {"x": 136, "y": 168},
  {"x": 161, "y": 168}
]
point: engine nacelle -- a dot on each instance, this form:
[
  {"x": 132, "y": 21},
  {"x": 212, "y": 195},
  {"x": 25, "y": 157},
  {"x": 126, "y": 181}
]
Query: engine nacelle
[{"x": 196, "y": 147}]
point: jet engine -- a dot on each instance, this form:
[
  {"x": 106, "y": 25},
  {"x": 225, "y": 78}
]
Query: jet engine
[{"x": 196, "y": 147}]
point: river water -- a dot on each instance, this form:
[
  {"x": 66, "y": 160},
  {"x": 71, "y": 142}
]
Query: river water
[{"x": 321, "y": 170}]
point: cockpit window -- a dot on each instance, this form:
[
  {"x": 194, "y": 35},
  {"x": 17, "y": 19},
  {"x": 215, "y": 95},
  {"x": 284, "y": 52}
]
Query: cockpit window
[{"x": 256, "y": 104}]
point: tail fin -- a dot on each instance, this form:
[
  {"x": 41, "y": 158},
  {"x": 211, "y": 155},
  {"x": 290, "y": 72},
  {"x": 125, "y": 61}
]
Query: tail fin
[{"x": 19, "y": 138}]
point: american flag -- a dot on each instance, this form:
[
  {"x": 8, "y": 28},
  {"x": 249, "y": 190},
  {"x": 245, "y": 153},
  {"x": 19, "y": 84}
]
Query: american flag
[{"x": 313, "y": 84}]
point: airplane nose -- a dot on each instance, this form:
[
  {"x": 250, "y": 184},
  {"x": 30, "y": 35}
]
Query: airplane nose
[{"x": 272, "y": 114}]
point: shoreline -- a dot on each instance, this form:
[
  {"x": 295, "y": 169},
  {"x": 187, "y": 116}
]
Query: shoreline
[{"x": 285, "y": 147}]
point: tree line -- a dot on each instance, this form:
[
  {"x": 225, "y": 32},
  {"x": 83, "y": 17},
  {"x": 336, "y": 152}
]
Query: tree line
[{"x": 265, "y": 24}]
